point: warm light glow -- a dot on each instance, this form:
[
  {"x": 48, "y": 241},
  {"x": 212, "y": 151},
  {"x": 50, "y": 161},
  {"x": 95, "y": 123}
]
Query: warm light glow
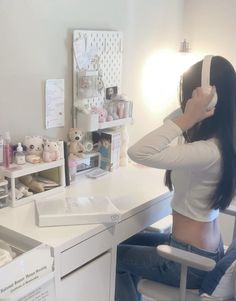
[{"x": 161, "y": 77}]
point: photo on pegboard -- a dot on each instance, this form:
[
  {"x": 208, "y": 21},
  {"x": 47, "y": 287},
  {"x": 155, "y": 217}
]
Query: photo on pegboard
[{"x": 111, "y": 92}]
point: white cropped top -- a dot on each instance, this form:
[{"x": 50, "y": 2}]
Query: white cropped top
[{"x": 195, "y": 168}]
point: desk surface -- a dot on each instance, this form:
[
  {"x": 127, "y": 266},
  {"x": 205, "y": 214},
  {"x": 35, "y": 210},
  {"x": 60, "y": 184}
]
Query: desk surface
[{"x": 131, "y": 189}]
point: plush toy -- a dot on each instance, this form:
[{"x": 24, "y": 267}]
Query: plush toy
[
  {"x": 51, "y": 151},
  {"x": 102, "y": 113},
  {"x": 32, "y": 183},
  {"x": 76, "y": 148},
  {"x": 83, "y": 108},
  {"x": 34, "y": 147}
]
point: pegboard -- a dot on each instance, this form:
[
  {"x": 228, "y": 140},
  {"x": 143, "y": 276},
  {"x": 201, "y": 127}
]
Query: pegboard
[{"x": 97, "y": 65}]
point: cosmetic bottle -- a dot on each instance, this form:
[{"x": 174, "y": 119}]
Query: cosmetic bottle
[
  {"x": 6, "y": 153},
  {"x": 7, "y": 141},
  {"x": 19, "y": 155}
]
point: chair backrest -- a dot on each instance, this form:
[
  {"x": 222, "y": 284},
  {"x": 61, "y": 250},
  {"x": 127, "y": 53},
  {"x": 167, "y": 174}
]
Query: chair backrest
[{"x": 219, "y": 284}]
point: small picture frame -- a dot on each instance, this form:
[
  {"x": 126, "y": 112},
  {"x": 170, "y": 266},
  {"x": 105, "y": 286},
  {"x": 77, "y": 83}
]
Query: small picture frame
[{"x": 111, "y": 92}]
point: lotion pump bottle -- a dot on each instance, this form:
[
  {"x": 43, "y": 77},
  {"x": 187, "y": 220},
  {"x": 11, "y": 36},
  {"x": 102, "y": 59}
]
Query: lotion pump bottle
[{"x": 19, "y": 155}]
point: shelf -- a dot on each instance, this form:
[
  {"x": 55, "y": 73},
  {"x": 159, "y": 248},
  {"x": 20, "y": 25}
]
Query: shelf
[
  {"x": 114, "y": 123},
  {"x": 54, "y": 170},
  {"x": 3, "y": 196},
  {"x": 16, "y": 171},
  {"x": 89, "y": 122},
  {"x": 35, "y": 196}
]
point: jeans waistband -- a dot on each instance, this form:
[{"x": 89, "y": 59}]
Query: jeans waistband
[{"x": 215, "y": 255}]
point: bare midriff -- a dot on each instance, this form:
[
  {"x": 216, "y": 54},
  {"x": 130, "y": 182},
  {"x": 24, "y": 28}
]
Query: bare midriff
[{"x": 203, "y": 235}]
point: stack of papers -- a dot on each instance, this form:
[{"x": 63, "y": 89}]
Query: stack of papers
[{"x": 75, "y": 210}]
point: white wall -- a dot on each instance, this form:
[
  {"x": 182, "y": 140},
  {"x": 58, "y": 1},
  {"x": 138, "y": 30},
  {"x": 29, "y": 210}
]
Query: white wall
[
  {"x": 36, "y": 45},
  {"x": 210, "y": 25}
]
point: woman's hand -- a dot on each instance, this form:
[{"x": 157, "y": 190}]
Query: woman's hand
[{"x": 196, "y": 109}]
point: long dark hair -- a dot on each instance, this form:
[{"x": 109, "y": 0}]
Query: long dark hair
[{"x": 221, "y": 125}]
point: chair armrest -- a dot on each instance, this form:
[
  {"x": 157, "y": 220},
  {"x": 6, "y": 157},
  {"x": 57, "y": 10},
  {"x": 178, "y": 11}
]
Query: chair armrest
[
  {"x": 186, "y": 258},
  {"x": 231, "y": 210}
]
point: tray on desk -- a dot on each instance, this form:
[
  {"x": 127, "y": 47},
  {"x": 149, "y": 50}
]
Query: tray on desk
[{"x": 59, "y": 211}]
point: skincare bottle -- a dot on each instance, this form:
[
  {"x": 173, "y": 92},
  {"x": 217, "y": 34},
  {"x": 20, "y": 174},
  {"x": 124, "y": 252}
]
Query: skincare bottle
[
  {"x": 7, "y": 141},
  {"x": 6, "y": 153},
  {"x": 19, "y": 155}
]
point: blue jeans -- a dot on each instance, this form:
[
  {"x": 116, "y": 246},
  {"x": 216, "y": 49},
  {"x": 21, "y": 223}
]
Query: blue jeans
[{"x": 137, "y": 258}]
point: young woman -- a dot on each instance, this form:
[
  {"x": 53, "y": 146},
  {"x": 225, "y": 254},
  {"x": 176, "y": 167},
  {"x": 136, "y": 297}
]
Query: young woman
[{"x": 202, "y": 172}]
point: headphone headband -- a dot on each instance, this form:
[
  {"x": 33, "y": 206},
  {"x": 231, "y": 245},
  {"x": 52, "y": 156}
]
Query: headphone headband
[{"x": 206, "y": 71}]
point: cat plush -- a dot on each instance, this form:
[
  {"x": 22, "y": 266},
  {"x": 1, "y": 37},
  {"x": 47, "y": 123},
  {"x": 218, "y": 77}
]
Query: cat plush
[
  {"x": 34, "y": 148},
  {"x": 34, "y": 145},
  {"x": 51, "y": 151}
]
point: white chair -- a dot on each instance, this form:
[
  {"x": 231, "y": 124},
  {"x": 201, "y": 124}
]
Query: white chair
[{"x": 223, "y": 291}]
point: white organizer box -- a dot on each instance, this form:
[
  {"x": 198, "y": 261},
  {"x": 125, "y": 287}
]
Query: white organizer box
[
  {"x": 54, "y": 169},
  {"x": 29, "y": 275}
]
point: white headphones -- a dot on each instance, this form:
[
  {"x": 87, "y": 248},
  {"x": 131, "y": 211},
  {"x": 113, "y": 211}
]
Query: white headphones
[{"x": 205, "y": 80}]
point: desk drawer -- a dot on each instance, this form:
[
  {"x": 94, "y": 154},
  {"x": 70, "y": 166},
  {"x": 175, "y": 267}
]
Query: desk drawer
[
  {"x": 89, "y": 283},
  {"x": 78, "y": 255}
]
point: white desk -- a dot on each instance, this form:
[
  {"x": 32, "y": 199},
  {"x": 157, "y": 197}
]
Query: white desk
[{"x": 85, "y": 255}]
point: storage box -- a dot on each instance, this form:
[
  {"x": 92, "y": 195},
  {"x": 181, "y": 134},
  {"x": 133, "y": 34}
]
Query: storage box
[
  {"x": 29, "y": 275},
  {"x": 109, "y": 148},
  {"x": 63, "y": 210}
]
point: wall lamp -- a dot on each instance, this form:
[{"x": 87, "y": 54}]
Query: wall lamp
[{"x": 184, "y": 47}]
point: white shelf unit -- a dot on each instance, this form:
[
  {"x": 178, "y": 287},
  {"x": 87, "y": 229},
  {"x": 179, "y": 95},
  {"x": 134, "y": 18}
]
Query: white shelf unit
[
  {"x": 89, "y": 122},
  {"x": 16, "y": 171}
]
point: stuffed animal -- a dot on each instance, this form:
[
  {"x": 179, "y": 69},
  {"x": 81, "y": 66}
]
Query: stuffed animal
[
  {"x": 51, "y": 151},
  {"x": 31, "y": 182},
  {"x": 102, "y": 113},
  {"x": 34, "y": 147},
  {"x": 76, "y": 148}
]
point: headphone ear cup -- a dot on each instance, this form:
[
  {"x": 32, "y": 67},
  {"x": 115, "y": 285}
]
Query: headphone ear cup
[{"x": 213, "y": 102}]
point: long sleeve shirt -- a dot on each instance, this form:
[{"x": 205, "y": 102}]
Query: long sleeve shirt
[{"x": 195, "y": 166}]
